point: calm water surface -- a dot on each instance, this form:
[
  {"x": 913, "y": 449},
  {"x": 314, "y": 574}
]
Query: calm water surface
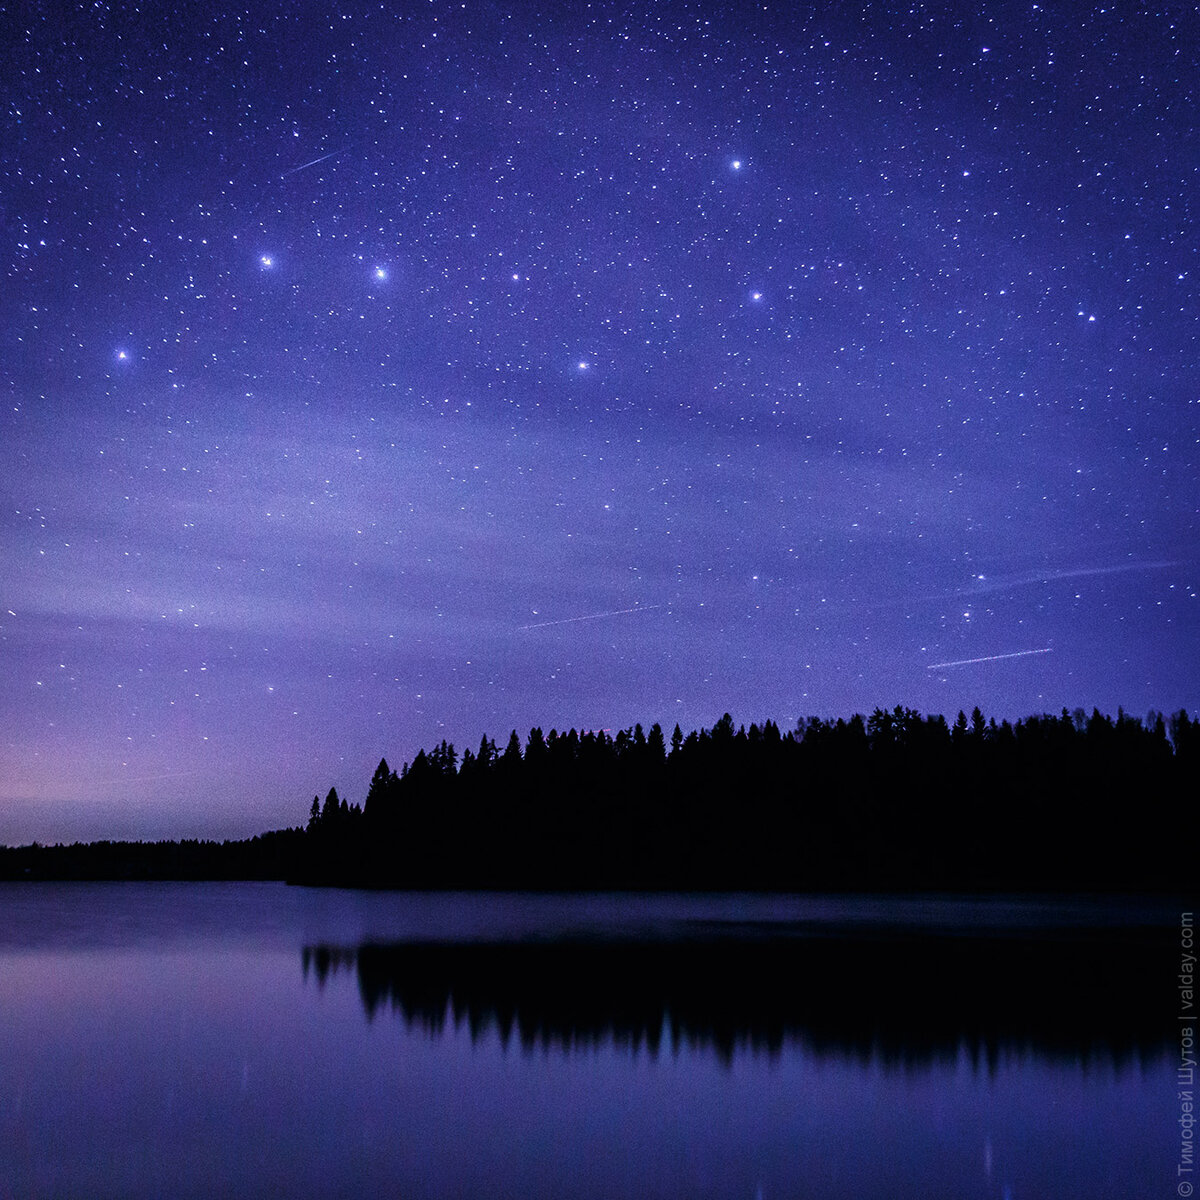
[{"x": 257, "y": 1040}]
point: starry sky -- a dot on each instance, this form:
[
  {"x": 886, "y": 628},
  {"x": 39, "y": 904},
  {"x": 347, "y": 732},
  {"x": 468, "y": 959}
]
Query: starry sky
[{"x": 381, "y": 373}]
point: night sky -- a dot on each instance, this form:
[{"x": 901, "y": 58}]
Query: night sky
[{"x": 378, "y": 374}]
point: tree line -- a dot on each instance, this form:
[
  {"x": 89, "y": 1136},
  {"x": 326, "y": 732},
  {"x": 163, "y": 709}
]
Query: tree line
[
  {"x": 896, "y": 800},
  {"x": 272, "y": 855}
]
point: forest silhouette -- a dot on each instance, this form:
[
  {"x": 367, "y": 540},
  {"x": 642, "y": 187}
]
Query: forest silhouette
[
  {"x": 894, "y": 801},
  {"x": 269, "y": 856}
]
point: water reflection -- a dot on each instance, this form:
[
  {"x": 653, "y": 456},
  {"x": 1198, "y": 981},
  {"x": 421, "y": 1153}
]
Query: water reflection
[
  {"x": 904, "y": 997},
  {"x": 160, "y": 1041}
]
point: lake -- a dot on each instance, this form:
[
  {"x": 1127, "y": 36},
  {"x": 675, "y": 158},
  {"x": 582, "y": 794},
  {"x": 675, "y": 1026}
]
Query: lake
[{"x": 256, "y": 1040}]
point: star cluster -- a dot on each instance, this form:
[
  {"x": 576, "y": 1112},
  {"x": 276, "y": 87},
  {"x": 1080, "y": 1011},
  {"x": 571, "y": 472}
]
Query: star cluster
[{"x": 391, "y": 373}]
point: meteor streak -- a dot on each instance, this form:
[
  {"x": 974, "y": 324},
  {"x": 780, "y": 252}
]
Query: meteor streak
[
  {"x": 618, "y": 612},
  {"x": 120, "y": 782},
  {"x": 313, "y": 163},
  {"x": 967, "y": 662}
]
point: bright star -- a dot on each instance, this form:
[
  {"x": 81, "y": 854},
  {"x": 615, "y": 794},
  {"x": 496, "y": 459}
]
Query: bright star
[
  {"x": 756, "y": 295},
  {"x": 736, "y": 164},
  {"x": 583, "y": 366},
  {"x": 266, "y": 261},
  {"x": 380, "y": 272}
]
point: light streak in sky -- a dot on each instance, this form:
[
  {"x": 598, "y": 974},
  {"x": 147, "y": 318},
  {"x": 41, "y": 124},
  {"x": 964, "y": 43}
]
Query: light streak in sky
[
  {"x": 110, "y": 787},
  {"x": 1051, "y": 576},
  {"x": 313, "y": 163},
  {"x": 967, "y": 662},
  {"x": 619, "y": 612}
]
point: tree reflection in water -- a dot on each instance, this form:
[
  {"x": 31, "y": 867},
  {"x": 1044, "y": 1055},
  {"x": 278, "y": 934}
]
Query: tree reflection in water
[{"x": 907, "y": 997}]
